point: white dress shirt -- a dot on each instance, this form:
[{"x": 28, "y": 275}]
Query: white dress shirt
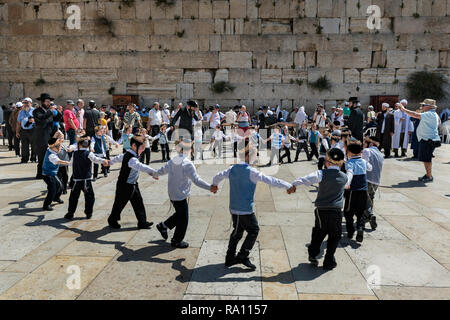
[
  {"x": 255, "y": 176},
  {"x": 312, "y": 178},
  {"x": 182, "y": 173},
  {"x": 156, "y": 117},
  {"x": 135, "y": 165}
]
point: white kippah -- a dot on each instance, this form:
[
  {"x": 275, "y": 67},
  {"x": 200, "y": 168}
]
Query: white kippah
[
  {"x": 385, "y": 105},
  {"x": 404, "y": 101}
]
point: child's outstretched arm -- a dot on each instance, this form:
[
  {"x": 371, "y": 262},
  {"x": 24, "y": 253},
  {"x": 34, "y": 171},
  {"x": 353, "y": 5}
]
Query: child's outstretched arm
[
  {"x": 135, "y": 164},
  {"x": 191, "y": 172},
  {"x": 162, "y": 171},
  {"x": 256, "y": 176},
  {"x": 220, "y": 176},
  {"x": 116, "y": 159},
  {"x": 310, "y": 179}
]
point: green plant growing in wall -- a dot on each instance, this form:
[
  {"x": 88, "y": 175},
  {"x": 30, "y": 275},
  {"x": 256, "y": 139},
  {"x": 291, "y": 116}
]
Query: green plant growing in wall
[
  {"x": 165, "y": 2},
  {"x": 319, "y": 29},
  {"x": 180, "y": 34},
  {"x": 39, "y": 82},
  {"x": 321, "y": 84},
  {"x": 424, "y": 84},
  {"x": 128, "y": 3},
  {"x": 221, "y": 86},
  {"x": 416, "y": 15},
  {"x": 299, "y": 82},
  {"x": 111, "y": 90}
]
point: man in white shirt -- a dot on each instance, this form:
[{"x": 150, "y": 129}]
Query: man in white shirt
[
  {"x": 165, "y": 114},
  {"x": 215, "y": 117},
  {"x": 154, "y": 123},
  {"x": 320, "y": 117}
]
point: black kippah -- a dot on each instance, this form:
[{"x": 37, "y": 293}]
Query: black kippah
[
  {"x": 52, "y": 141},
  {"x": 354, "y": 148},
  {"x": 192, "y": 103},
  {"x": 336, "y": 154}
]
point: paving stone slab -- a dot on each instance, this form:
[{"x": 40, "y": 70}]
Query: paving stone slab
[
  {"x": 8, "y": 279},
  {"x": 210, "y": 274},
  {"x": 412, "y": 293},
  {"x": 400, "y": 263}
]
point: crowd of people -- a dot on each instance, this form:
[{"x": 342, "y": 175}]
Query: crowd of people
[{"x": 349, "y": 161}]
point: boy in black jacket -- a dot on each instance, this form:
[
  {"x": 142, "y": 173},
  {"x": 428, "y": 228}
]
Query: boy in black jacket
[{"x": 82, "y": 160}]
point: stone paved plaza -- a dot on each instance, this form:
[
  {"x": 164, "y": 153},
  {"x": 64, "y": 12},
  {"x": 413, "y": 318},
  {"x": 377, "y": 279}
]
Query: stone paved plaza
[{"x": 410, "y": 249}]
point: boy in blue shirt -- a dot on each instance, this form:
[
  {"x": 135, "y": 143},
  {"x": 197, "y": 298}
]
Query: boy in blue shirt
[
  {"x": 356, "y": 189},
  {"x": 50, "y": 169},
  {"x": 243, "y": 179}
]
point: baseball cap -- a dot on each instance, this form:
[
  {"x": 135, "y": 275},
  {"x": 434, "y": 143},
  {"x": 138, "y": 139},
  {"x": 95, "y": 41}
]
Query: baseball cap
[{"x": 27, "y": 100}]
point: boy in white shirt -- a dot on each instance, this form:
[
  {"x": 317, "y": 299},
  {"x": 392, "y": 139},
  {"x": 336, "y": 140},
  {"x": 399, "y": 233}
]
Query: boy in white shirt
[
  {"x": 218, "y": 137},
  {"x": 243, "y": 179},
  {"x": 182, "y": 173}
]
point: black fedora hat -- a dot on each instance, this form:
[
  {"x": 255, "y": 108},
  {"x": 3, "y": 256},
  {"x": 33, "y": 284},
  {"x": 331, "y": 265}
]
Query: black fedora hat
[{"x": 45, "y": 96}]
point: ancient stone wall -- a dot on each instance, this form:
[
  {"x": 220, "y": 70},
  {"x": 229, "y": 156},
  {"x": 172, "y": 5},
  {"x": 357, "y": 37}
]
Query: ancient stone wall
[{"x": 173, "y": 50}]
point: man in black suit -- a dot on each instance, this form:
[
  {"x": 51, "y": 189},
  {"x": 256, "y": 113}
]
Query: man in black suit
[
  {"x": 43, "y": 123},
  {"x": 385, "y": 129},
  {"x": 356, "y": 119}
]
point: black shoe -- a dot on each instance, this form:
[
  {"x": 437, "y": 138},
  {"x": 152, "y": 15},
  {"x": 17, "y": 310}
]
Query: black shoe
[
  {"x": 373, "y": 222},
  {"x": 246, "y": 262},
  {"x": 88, "y": 215},
  {"x": 105, "y": 175},
  {"x": 68, "y": 216},
  {"x": 47, "y": 208},
  {"x": 58, "y": 201},
  {"x": 162, "y": 230},
  {"x": 360, "y": 235},
  {"x": 64, "y": 192},
  {"x": 113, "y": 224},
  {"x": 350, "y": 234},
  {"x": 329, "y": 265},
  {"x": 145, "y": 225},
  {"x": 313, "y": 260},
  {"x": 230, "y": 260},
  {"x": 180, "y": 245},
  {"x": 94, "y": 179},
  {"x": 426, "y": 179},
  {"x": 421, "y": 178},
  {"x": 39, "y": 176}
]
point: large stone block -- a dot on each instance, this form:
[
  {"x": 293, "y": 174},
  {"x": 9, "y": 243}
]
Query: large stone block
[
  {"x": 229, "y": 26},
  {"x": 215, "y": 43},
  {"x": 221, "y": 75},
  {"x": 275, "y": 27},
  {"x": 439, "y": 8},
  {"x": 305, "y": 26},
  {"x": 296, "y": 9},
  {"x": 443, "y": 59},
  {"x": 194, "y": 60},
  {"x": 385, "y": 75},
  {"x": 143, "y": 10},
  {"x": 203, "y": 43},
  {"x": 16, "y": 90},
  {"x": 185, "y": 91},
  {"x": 290, "y": 75},
  {"x": 244, "y": 75},
  {"x": 330, "y": 25},
  {"x": 393, "y": 8},
  {"x": 310, "y": 8},
  {"x": 197, "y": 77},
  {"x": 235, "y": 59},
  {"x": 361, "y": 59},
  {"x": 252, "y": 10},
  {"x": 351, "y": 76},
  {"x": 336, "y": 76},
  {"x": 427, "y": 59},
  {"x": 190, "y": 9},
  {"x": 271, "y": 75},
  {"x": 261, "y": 91},
  {"x": 402, "y": 74},
  {"x": 379, "y": 59},
  {"x": 260, "y": 43},
  {"x": 158, "y": 91},
  {"x": 259, "y": 60},
  {"x": 325, "y": 8},
  {"x": 310, "y": 59},
  {"x": 400, "y": 59},
  {"x": 112, "y": 11},
  {"x": 221, "y": 9},
  {"x": 266, "y": 9},
  {"x": 128, "y": 12},
  {"x": 424, "y": 8},
  {"x": 231, "y": 43},
  {"x": 369, "y": 75},
  {"x": 196, "y": 27},
  {"x": 205, "y": 9},
  {"x": 289, "y": 91},
  {"x": 279, "y": 60},
  {"x": 164, "y": 27},
  {"x": 26, "y": 28},
  {"x": 282, "y": 9},
  {"x": 219, "y": 26},
  {"x": 238, "y": 26},
  {"x": 252, "y": 26},
  {"x": 352, "y": 8},
  {"x": 238, "y": 8},
  {"x": 409, "y": 7},
  {"x": 310, "y": 42},
  {"x": 299, "y": 59}
]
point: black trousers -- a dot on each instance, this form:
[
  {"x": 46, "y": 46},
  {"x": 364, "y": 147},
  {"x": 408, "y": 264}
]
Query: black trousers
[
  {"x": 128, "y": 192},
  {"x": 235, "y": 145},
  {"x": 155, "y": 131},
  {"x": 16, "y": 143},
  {"x": 63, "y": 177},
  {"x": 54, "y": 189},
  {"x": 327, "y": 222},
  {"x": 300, "y": 146},
  {"x": 287, "y": 153},
  {"x": 10, "y": 136},
  {"x": 26, "y": 138},
  {"x": 243, "y": 223},
  {"x": 355, "y": 205},
  {"x": 321, "y": 163},
  {"x": 165, "y": 151},
  {"x": 387, "y": 149},
  {"x": 40, "y": 152},
  {"x": 179, "y": 220},
  {"x": 314, "y": 151},
  {"x": 89, "y": 197},
  {"x": 145, "y": 156},
  {"x": 96, "y": 169}
]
